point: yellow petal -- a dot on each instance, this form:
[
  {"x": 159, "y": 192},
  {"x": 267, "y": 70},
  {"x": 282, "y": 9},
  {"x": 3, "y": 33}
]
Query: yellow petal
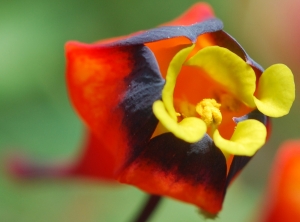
[
  {"x": 229, "y": 70},
  {"x": 172, "y": 73},
  {"x": 276, "y": 91},
  {"x": 248, "y": 137},
  {"x": 190, "y": 129}
]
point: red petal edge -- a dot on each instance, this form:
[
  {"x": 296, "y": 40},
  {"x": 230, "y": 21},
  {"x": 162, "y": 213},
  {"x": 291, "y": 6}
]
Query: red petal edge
[
  {"x": 196, "y": 13},
  {"x": 95, "y": 162},
  {"x": 95, "y": 78}
]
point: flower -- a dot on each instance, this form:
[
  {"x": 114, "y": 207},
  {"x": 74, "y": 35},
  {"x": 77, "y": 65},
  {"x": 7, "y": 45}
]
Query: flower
[
  {"x": 177, "y": 110},
  {"x": 282, "y": 201},
  {"x": 168, "y": 151}
]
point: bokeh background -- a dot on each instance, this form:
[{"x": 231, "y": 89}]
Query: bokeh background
[{"x": 36, "y": 117}]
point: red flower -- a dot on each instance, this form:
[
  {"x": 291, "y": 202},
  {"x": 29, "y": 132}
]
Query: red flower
[
  {"x": 283, "y": 198},
  {"x": 175, "y": 141}
]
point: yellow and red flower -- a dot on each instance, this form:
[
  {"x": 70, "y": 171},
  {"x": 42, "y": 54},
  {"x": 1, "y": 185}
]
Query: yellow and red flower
[{"x": 177, "y": 110}]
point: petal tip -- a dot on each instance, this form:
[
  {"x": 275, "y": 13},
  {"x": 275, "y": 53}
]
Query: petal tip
[
  {"x": 196, "y": 13},
  {"x": 249, "y": 136},
  {"x": 276, "y": 91}
]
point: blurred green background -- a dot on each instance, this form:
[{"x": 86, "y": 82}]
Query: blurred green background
[{"x": 36, "y": 117}]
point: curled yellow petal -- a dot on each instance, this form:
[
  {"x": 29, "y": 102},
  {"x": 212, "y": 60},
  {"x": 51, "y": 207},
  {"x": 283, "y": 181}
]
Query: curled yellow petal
[
  {"x": 229, "y": 70},
  {"x": 276, "y": 91},
  {"x": 190, "y": 129},
  {"x": 171, "y": 77},
  {"x": 248, "y": 137}
]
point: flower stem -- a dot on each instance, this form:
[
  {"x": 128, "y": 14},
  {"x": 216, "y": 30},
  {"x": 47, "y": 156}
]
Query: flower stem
[{"x": 148, "y": 208}]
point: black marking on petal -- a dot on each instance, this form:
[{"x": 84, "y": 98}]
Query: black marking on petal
[
  {"x": 145, "y": 85},
  {"x": 238, "y": 163},
  {"x": 197, "y": 163},
  {"x": 165, "y": 32},
  {"x": 255, "y": 114},
  {"x": 225, "y": 40}
]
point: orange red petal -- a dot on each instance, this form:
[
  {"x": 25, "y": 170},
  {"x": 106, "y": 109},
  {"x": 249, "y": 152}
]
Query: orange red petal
[
  {"x": 282, "y": 202},
  {"x": 111, "y": 86}
]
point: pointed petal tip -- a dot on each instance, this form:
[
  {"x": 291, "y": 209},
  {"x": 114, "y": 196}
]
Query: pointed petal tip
[{"x": 202, "y": 8}]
